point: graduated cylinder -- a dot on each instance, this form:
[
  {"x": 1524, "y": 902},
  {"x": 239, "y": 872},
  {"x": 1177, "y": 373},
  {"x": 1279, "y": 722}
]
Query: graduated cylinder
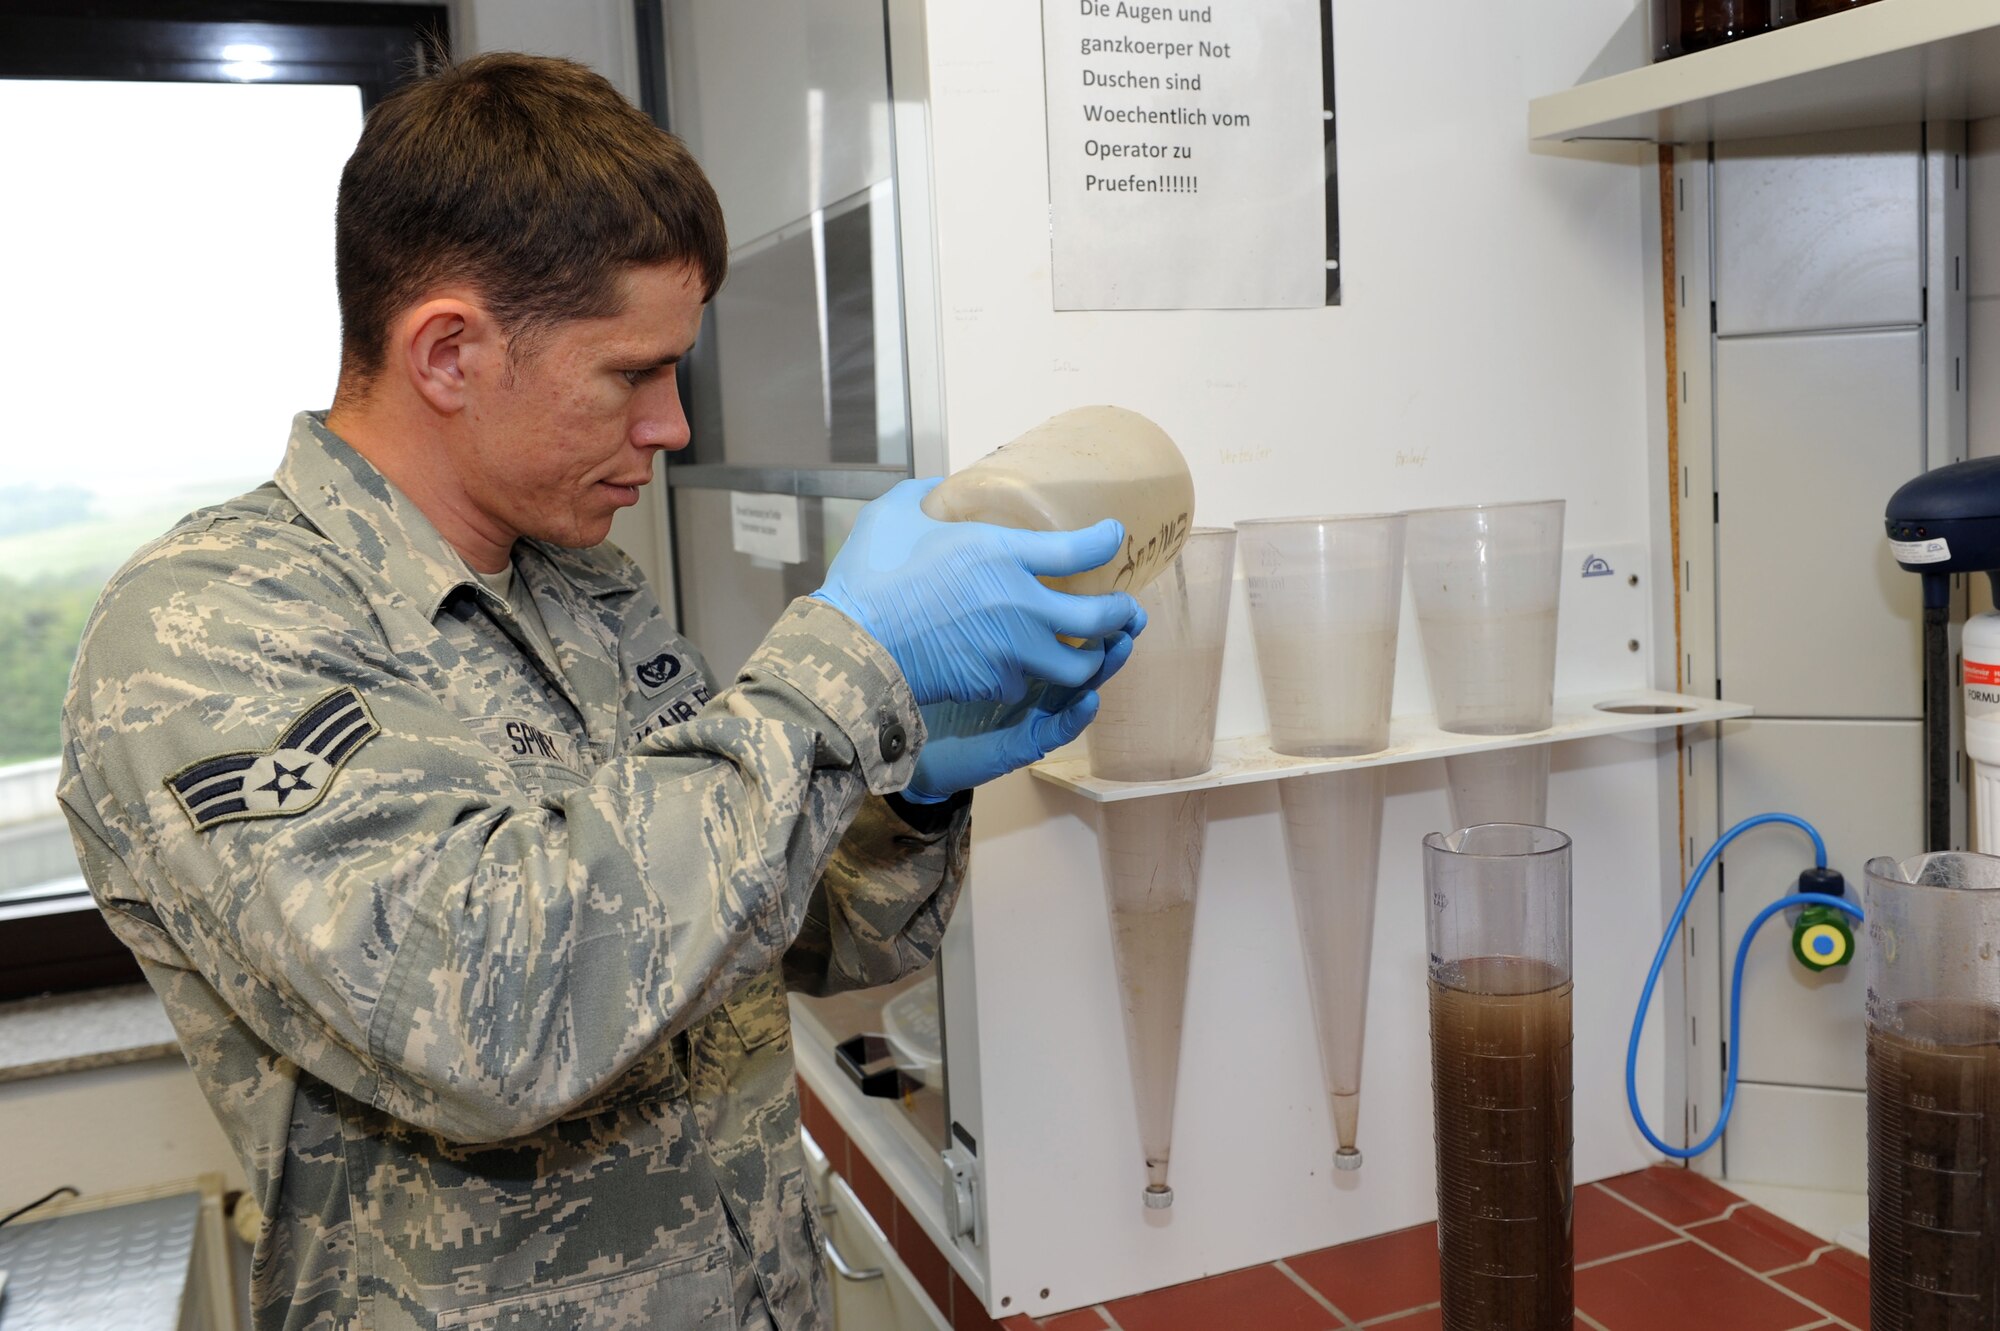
[
  {"x": 1934, "y": 1093},
  {"x": 1499, "y": 932}
]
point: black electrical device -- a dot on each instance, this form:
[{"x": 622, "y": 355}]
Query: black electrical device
[{"x": 1945, "y": 522}]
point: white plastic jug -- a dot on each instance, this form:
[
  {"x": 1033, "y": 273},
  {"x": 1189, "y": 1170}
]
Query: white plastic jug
[{"x": 1075, "y": 469}]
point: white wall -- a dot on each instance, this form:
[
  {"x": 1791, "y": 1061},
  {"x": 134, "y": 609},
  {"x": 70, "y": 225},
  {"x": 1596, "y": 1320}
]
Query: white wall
[{"x": 1492, "y": 346}]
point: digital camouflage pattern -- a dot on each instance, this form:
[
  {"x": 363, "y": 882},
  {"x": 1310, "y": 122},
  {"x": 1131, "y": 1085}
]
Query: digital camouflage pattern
[{"x": 486, "y": 976}]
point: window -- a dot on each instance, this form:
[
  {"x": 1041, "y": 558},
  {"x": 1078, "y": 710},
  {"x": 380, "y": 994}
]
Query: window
[{"x": 167, "y": 267}]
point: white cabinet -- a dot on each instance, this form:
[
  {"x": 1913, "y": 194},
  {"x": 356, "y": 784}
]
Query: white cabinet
[
  {"x": 872, "y": 1289},
  {"x": 1813, "y": 433},
  {"x": 1800, "y": 1137},
  {"x": 1983, "y": 354},
  {"x": 1851, "y": 779},
  {"x": 1820, "y": 411},
  {"x": 1818, "y": 258},
  {"x": 1811, "y": 238}
]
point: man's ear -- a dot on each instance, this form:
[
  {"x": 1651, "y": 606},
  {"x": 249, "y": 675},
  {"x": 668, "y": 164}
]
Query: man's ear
[{"x": 445, "y": 343}]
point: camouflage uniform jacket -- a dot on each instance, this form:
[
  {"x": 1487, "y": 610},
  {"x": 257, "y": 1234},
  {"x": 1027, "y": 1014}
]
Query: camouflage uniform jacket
[{"x": 481, "y": 957}]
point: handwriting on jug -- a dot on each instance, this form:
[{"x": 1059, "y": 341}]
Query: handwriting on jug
[{"x": 1163, "y": 545}]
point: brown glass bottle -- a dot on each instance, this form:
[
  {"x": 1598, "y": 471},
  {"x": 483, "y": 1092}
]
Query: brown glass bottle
[
  {"x": 1663, "y": 29},
  {"x": 1706, "y": 23},
  {"x": 1821, "y": 8}
]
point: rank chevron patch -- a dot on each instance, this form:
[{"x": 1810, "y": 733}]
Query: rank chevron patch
[{"x": 289, "y": 777}]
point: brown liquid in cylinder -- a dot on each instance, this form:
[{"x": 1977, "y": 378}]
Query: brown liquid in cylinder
[
  {"x": 1500, "y": 1076},
  {"x": 1934, "y": 1169}
]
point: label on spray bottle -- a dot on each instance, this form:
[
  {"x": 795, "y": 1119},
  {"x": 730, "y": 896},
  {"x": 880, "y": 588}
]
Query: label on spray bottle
[
  {"x": 1982, "y": 688},
  {"x": 1980, "y": 649}
]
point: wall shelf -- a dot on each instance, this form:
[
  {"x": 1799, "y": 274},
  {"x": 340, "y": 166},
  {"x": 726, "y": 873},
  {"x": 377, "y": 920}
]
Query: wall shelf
[
  {"x": 1891, "y": 62},
  {"x": 1412, "y": 739}
]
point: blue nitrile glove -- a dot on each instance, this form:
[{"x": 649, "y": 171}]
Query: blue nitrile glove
[
  {"x": 957, "y": 605},
  {"x": 951, "y": 762}
]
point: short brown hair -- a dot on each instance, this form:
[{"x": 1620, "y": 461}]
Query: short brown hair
[{"x": 526, "y": 177}]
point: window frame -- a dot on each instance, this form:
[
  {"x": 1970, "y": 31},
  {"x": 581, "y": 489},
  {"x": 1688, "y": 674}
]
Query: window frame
[{"x": 60, "y": 942}]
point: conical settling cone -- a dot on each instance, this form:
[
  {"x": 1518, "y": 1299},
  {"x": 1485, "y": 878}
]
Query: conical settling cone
[
  {"x": 1333, "y": 842},
  {"x": 1499, "y": 786},
  {"x": 1152, "y": 861}
]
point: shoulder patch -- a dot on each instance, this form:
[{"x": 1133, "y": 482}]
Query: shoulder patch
[
  {"x": 289, "y": 777},
  {"x": 657, "y": 672}
]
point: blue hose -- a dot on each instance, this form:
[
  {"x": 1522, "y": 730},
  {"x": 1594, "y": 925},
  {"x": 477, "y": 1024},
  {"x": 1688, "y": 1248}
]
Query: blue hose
[{"x": 1736, "y": 981}]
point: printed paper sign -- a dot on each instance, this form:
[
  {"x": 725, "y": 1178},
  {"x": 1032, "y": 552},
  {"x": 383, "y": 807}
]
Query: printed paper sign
[
  {"x": 766, "y": 526},
  {"x": 1187, "y": 154}
]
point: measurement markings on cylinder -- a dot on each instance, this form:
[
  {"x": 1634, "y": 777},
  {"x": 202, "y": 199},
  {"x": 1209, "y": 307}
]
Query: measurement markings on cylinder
[
  {"x": 1927, "y": 1162},
  {"x": 1931, "y": 1213},
  {"x": 1506, "y": 1119}
]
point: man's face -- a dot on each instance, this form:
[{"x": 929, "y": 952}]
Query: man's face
[{"x": 566, "y": 439}]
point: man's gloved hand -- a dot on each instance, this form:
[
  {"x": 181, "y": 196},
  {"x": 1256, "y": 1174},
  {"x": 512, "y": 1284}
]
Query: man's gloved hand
[
  {"x": 951, "y": 761},
  {"x": 957, "y": 605}
]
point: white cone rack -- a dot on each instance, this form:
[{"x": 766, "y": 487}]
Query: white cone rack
[{"x": 1414, "y": 738}]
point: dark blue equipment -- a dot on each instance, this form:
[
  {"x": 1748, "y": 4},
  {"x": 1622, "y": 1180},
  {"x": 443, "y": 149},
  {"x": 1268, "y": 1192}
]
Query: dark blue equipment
[{"x": 1945, "y": 522}]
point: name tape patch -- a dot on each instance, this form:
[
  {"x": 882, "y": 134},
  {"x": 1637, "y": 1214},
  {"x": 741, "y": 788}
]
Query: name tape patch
[
  {"x": 289, "y": 777},
  {"x": 523, "y": 739}
]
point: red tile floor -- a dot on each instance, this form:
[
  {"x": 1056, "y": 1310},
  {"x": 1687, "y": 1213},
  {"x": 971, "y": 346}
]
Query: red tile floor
[
  {"x": 1664, "y": 1249},
  {"x": 1660, "y": 1250}
]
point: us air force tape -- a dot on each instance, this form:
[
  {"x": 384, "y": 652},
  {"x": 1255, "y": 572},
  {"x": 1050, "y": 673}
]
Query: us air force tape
[{"x": 289, "y": 777}]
